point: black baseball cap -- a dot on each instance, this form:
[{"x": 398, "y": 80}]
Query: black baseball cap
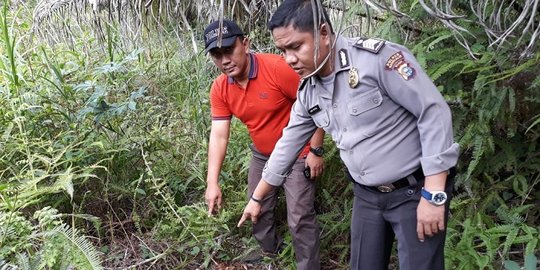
[{"x": 229, "y": 32}]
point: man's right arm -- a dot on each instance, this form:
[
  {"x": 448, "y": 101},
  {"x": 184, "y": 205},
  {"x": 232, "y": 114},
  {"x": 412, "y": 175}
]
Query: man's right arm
[{"x": 217, "y": 148}]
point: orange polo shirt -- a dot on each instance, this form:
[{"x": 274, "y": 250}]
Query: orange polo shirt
[{"x": 264, "y": 106}]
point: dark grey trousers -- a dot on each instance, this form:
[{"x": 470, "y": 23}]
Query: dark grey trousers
[
  {"x": 301, "y": 216},
  {"x": 378, "y": 218}
]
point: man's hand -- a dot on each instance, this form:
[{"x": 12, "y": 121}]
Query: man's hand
[
  {"x": 213, "y": 198},
  {"x": 316, "y": 164},
  {"x": 252, "y": 211},
  {"x": 430, "y": 219}
]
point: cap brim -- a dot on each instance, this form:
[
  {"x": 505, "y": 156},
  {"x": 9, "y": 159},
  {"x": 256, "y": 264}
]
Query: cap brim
[{"x": 226, "y": 42}]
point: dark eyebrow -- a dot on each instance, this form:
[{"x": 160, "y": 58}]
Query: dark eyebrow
[
  {"x": 279, "y": 48},
  {"x": 289, "y": 45}
]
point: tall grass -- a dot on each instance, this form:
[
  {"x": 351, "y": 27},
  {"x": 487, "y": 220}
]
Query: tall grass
[{"x": 9, "y": 46}]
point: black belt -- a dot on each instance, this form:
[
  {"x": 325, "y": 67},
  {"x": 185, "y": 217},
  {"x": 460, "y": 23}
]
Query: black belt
[{"x": 401, "y": 183}]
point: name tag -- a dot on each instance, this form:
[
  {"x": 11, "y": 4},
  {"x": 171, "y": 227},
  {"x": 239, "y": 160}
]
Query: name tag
[{"x": 315, "y": 109}]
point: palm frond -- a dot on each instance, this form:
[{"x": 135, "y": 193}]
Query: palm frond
[{"x": 507, "y": 25}]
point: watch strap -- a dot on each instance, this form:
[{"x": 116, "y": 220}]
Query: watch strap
[
  {"x": 259, "y": 201},
  {"x": 318, "y": 151},
  {"x": 426, "y": 194}
]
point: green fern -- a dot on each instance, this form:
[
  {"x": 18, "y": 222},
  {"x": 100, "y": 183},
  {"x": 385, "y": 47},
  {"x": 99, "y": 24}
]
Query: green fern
[{"x": 81, "y": 249}]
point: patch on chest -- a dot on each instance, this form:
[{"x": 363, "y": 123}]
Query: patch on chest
[
  {"x": 369, "y": 44},
  {"x": 315, "y": 109},
  {"x": 353, "y": 77},
  {"x": 397, "y": 62}
]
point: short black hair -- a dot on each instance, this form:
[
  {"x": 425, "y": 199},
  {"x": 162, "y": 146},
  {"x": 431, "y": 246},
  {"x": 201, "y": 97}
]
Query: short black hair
[{"x": 299, "y": 14}]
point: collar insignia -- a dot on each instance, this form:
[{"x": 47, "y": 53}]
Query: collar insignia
[
  {"x": 343, "y": 58},
  {"x": 302, "y": 84}
]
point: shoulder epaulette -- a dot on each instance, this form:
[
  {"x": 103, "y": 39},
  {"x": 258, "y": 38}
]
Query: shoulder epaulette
[{"x": 372, "y": 45}]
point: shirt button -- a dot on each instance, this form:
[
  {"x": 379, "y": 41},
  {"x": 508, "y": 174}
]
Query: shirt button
[
  {"x": 375, "y": 100},
  {"x": 351, "y": 152},
  {"x": 362, "y": 173},
  {"x": 354, "y": 110},
  {"x": 344, "y": 129},
  {"x": 335, "y": 105}
]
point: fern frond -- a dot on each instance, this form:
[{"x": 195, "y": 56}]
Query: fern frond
[
  {"x": 6, "y": 266},
  {"x": 23, "y": 261},
  {"x": 446, "y": 67},
  {"x": 83, "y": 246},
  {"x": 510, "y": 240},
  {"x": 6, "y": 232},
  {"x": 477, "y": 154}
]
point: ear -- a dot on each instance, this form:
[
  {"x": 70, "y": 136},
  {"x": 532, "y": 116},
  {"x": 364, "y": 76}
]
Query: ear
[
  {"x": 324, "y": 31},
  {"x": 246, "y": 43},
  {"x": 325, "y": 34}
]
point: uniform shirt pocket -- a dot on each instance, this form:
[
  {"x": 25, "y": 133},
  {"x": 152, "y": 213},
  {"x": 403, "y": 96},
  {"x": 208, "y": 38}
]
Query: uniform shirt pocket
[
  {"x": 368, "y": 101},
  {"x": 321, "y": 119},
  {"x": 367, "y": 112}
]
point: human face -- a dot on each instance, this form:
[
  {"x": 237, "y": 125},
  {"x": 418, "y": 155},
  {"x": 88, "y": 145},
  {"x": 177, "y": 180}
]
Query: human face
[
  {"x": 233, "y": 61},
  {"x": 298, "y": 49}
]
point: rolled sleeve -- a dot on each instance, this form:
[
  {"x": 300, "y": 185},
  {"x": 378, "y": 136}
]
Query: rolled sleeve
[
  {"x": 441, "y": 162},
  {"x": 295, "y": 136},
  {"x": 274, "y": 179}
]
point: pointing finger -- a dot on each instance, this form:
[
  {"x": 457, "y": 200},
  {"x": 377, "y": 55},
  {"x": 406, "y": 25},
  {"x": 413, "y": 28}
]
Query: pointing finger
[
  {"x": 210, "y": 207},
  {"x": 242, "y": 219}
]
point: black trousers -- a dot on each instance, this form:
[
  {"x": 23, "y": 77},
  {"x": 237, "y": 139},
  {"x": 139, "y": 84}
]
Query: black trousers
[{"x": 379, "y": 218}]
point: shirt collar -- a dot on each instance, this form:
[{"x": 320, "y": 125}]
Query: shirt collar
[
  {"x": 253, "y": 68},
  {"x": 342, "y": 59}
]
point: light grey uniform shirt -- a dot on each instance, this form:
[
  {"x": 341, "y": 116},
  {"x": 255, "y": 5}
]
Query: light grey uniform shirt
[{"x": 385, "y": 126}]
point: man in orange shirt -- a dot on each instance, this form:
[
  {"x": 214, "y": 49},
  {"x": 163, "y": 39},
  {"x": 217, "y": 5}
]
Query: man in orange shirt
[{"x": 259, "y": 90}]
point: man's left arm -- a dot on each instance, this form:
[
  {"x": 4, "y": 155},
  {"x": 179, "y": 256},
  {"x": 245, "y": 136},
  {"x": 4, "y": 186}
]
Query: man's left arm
[
  {"x": 408, "y": 84},
  {"x": 315, "y": 161}
]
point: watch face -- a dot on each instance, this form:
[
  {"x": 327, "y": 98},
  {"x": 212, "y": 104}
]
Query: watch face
[
  {"x": 439, "y": 198},
  {"x": 319, "y": 151}
]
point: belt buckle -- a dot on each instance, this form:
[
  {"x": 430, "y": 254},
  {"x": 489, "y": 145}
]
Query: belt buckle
[{"x": 385, "y": 188}]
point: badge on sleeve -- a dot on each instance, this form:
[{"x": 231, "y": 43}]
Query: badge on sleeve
[
  {"x": 397, "y": 62},
  {"x": 353, "y": 77}
]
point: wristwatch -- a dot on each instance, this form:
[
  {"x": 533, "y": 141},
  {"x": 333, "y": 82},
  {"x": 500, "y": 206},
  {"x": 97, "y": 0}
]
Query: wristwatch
[
  {"x": 436, "y": 197},
  {"x": 318, "y": 151},
  {"x": 259, "y": 201}
]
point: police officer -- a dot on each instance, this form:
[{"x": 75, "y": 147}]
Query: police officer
[{"x": 391, "y": 125}]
